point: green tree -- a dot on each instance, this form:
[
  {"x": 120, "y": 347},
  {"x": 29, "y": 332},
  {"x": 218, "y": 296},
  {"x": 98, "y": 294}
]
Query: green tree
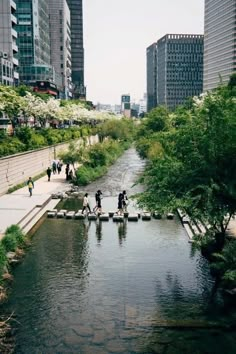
[{"x": 196, "y": 168}]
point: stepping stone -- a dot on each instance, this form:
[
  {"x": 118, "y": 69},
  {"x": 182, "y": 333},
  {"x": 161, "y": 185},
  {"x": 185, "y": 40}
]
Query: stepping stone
[
  {"x": 52, "y": 213},
  {"x": 170, "y": 216},
  {"x": 126, "y": 214},
  {"x": 104, "y": 217},
  {"x": 146, "y": 216},
  {"x": 157, "y": 215},
  {"x": 64, "y": 211},
  {"x": 133, "y": 217},
  {"x": 60, "y": 215},
  {"x": 118, "y": 218},
  {"x": 79, "y": 216},
  {"x": 92, "y": 216},
  {"x": 111, "y": 213},
  {"x": 70, "y": 214}
]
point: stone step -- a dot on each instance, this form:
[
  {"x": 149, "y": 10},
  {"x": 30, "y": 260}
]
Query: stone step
[
  {"x": 70, "y": 214},
  {"x": 170, "y": 216},
  {"x": 133, "y": 217},
  {"x": 79, "y": 216},
  {"x": 92, "y": 217},
  {"x": 52, "y": 213},
  {"x": 118, "y": 218},
  {"x": 104, "y": 217},
  {"x": 146, "y": 216}
]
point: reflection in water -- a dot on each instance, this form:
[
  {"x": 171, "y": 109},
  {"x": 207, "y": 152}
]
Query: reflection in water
[
  {"x": 122, "y": 231},
  {"x": 99, "y": 231}
]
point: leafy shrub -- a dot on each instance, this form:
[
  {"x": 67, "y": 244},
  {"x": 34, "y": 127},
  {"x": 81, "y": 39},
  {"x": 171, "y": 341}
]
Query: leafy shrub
[
  {"x": 24, "y": 134},
  {"x": 224, "y": 265},
  {"x": 18, "y": 234},
  {"x": 36, "y": 141},
  {"x": 9, "y": 242}
]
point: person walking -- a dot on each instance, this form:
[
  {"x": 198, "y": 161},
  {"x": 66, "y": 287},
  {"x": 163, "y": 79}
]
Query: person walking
[
  {"x": 59, "y": 165},
  {"x": 67, "y": 171},
  {"x": 98, "y": 207},
  {"x": 120, "y": 203},
  {"x": 30, "y": 185},
  {"x": 86, "y": 203},
  {"x": 125, "y": 201},
  {"x": 54, "y": 167},
  {"x": 49, "y": 172}
]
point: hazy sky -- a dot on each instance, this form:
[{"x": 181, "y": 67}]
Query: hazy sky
[{"x": 116, "y": 34}]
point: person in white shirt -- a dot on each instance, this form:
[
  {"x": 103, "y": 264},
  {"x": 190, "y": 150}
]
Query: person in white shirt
[{"x": 86, "y": 203}]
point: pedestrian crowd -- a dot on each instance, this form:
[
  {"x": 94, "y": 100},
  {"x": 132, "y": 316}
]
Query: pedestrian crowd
[{"x": 122, "y": 203}]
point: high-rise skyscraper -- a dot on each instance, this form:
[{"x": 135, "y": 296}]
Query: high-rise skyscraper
[
  {"x": 219, "y": 42},
  {"x": 8, "y": 46},
  {"x": 179, "y": 68},
  {"x": 151, "y": 62},
  {"x": 60, "y": 37},
  {"x": 174, "y": 69},
  {"x": 77, "y": 46},
  {"x": 34, "y": 42}
]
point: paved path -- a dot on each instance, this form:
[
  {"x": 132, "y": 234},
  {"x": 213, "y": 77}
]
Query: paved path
[
  {"x": 232, "y": 228},
  {"x": 15, "y": 206}
]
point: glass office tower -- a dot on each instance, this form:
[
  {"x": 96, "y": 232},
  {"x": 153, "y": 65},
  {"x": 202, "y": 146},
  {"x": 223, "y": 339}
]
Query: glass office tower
[
  {"x": 77, "y": 47},
  {"x": 34, "y": 41},
  {"x": 179, "y": 68},
  {"x": 219, "y": 44}
]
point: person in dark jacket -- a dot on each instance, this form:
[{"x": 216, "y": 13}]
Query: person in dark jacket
[
  {"x": 54, "y": 167},
  {"x": 98, "y": 197},
  {"x": 67, "y": 171},
  {"x": 49, "y": 172}
]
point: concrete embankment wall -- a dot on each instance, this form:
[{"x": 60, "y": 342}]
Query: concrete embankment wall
[{"x": 17, "y": 168}]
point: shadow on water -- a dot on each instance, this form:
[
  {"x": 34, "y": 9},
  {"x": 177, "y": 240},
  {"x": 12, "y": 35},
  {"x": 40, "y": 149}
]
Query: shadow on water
[{"x": 104, "y": 287}]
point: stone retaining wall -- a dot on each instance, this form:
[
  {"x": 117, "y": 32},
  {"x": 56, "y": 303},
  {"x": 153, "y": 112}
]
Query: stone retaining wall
[{"x": 17, "y": 168}]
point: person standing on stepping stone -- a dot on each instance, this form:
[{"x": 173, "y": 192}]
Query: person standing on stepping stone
[
  {"x": 125, "y": 201},
  {"x": 98, "y": 207},
  {"x": 86, "y": 203},
  {"x": 120, "y": 203}
]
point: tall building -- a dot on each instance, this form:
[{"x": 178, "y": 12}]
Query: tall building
[
  {"x": 126, "y": 106},
  {"x": 34, "y": 42},
  {"x": 219, "y": 43},
  {"x": 8, "y": 47},
  {"x": 151, "y": 62},
  {"x": 179, "y": 68},
  {"x": 60, "y": 36},
  {"x": 77, "y": 46}
]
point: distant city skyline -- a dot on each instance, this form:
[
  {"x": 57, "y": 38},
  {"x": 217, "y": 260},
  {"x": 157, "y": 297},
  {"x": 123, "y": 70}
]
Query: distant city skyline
[{"x": 116, "y": 37}]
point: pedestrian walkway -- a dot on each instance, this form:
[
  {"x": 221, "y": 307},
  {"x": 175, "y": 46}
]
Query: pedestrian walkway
[
  {"x": 232, "y": 228},
  {"x": 18, "y": 205}
]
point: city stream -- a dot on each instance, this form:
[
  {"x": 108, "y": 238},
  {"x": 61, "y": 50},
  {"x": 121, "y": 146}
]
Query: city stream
[{"x": 105, "y": 287}]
